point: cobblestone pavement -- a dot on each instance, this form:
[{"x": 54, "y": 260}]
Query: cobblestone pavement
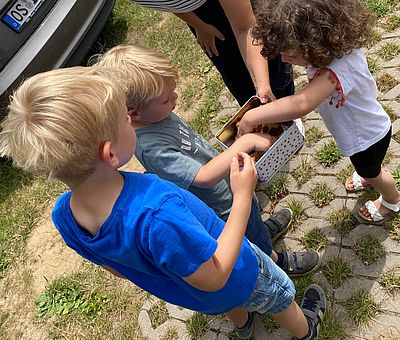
[{"x": 340, "y": 247}]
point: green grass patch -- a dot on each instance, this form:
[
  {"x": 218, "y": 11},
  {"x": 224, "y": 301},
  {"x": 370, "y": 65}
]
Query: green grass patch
[
  {"x": 380, "y": 7},
  {"x": 361, "y": 307},
  {"x": 369, "y": 194},
  {"x": 268, "y": 322},
  {"x": 222, "y": 120},
  {"x": 389, "y": 51},
  {"x": 313, "y": 135},
  {"x": 345, "y": 173},
  {"x": 278, "y": 188},
  {"x": 303, "y": 172},
  {"x": 22, "y": 200},
  {"x": 297, "y": 208},
  {"x": 392, "y": 22},
  {"x": 197, "y": 325},
  {"x": 342, "y": 220},
  {"x": 88, "y": 305},
  {"x": 396, "y": 176},
  {"x": 331, "y": 328},
  {"x": 158, "y": 314},
  {"x": 321, "y": 194},
  {"x": 373, "y": 39},
  {"x": 337, "y": 271},
  {"x": 369, "y": 250},
  {"x": 329, "y": 154},
  {"x": 390, "y": 281},
  {"x": 314, "y": 240},
  {"x": 393, "y": 226},
  {"x": 373, "y": 65}
]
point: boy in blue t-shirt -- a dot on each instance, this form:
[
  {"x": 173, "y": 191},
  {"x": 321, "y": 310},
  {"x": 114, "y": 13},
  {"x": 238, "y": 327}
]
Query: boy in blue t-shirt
[
  {"x": 73, "y": 125},
  {"x": 169, "y": 148}
]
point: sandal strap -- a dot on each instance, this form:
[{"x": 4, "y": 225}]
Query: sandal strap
[
  {"x": 357, "y": 181},
  {"x": 373, "y": 211},
  {"x": 390, "y": 206}
]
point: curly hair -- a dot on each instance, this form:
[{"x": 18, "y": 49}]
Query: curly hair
[{"x": 318, "y": 30}]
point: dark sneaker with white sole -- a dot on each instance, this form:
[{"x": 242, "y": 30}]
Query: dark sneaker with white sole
[
  {"x": 278, "y": 224},
  {"x": 298, "y": 263},
  {"x": 246, "y": 332},
  {"x": 313, "y": 306}
]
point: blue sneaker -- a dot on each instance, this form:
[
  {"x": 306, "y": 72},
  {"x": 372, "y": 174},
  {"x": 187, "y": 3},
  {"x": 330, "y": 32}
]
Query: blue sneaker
[
  {"x": 279, "y": 223},
  {"x": 246, "y": 332},
  {"x": 313, "y": 306}
]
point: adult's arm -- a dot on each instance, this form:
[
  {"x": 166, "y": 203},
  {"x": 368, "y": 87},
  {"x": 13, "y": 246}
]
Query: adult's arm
[
  {"x": 241, "y": 18},
  {"x": 205, "y": 33}
]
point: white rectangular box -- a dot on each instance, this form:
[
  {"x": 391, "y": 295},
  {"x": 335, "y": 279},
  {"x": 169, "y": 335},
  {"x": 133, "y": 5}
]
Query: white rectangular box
[{"x": 290, "y": 140}]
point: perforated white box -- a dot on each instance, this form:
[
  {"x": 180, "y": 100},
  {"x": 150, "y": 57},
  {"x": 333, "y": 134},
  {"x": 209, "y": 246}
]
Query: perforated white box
[{"x": 288, "y": 143}]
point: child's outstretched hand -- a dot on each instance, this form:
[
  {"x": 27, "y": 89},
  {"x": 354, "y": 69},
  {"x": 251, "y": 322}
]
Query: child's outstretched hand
[
  {"x": 244, "y": 126},
  {"x": 243, "y": 175}
]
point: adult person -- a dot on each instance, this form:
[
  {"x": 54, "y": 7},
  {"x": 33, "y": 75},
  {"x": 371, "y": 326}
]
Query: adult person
[{"x": 222, "y": 29}]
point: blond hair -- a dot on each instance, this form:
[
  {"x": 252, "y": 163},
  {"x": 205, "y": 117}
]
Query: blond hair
[
  {"x": 145, "y": 74},
  {"x": 57, "y": 121}
]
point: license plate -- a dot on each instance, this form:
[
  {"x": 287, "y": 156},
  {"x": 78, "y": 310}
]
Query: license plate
[{"x": 20, "y": 13}]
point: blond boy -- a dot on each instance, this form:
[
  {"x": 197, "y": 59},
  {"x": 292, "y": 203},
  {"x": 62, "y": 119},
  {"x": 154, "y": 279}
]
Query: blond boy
[{"x": 72, "y": 124}]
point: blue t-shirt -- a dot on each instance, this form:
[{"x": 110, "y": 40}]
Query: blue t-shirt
[{"x": 156, "y": 234}]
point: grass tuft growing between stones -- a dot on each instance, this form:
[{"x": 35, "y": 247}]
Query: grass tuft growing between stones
[
  {"x": 386, "y": 82},
  {"x": 331, "y": 328},
  {"x": 268, "y": 322},
  {"x": 313, "y": 135},
  {"x": 345, "y": 173},
  {"x": 303, "y": 172},
  {"x": 389, "y": 50},
  {"x": 373, "y": 65},
  {"x": 321, "y": 194},
  {"x": 337, "y": 271},
  {"x": 369, "y": 250},
  {"x": 278, "y": 188},
  {"x": 329, "y": 154},
  {"x": 390, "y": 281},
  {"x": 342, "y": 220},
  {"x": 158, "y": 314},
  {"x": 393, "y": 226},
  {"x": 170, "y": 334},
  {"x": 361, "y": 307},
  {"x": 197, "y": 325},
  {"x": 297, "y": 208},
  {"x": 314, "y": 240}
]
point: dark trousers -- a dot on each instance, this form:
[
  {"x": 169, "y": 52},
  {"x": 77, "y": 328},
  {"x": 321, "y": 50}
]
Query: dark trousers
[{"x": 230, "y": 63}]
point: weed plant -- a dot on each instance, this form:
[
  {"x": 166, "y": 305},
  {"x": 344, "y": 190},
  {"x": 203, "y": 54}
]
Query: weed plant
[
  {"x": 342, "y": 220},
  {"x": 329, "y": 154},
  {"x": 337, "y": 271},
  {"x": 361, "y": 307},
  {"x": 314, "y": 240},
  {"x": 369, "y": 249},
  {"x": 321, "y": 194}
]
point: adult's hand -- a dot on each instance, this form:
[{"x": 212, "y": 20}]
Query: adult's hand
[{"x": 206, "y": 35}]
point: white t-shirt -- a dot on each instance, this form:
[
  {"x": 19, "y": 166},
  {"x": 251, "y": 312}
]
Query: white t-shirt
[
  {"x": 174, "y": 6},
  {"x": 352, "y": 112}
]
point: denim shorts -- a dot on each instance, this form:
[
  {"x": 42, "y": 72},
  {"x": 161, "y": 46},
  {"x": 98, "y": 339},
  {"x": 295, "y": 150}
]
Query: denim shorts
[{"x": 274, "y": 290}]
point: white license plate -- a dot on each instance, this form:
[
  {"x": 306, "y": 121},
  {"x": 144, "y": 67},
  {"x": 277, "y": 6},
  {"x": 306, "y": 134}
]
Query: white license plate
[{"x": 20, "y": 13}]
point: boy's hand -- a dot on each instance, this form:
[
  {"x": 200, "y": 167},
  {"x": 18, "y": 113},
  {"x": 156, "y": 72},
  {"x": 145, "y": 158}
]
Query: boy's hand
[{"x": 243, "y": 175}]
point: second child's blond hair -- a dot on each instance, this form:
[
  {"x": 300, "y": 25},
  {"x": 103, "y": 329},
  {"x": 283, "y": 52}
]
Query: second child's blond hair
[
  {"x": 57, "y": 121},
  {"x": 145, "y": 73}
]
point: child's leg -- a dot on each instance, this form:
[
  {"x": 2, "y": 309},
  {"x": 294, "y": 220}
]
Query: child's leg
[
  {"x": 238, "y": 316},
  {"x": 293, "y": 320},
  {"x": 385, "y": 184}
]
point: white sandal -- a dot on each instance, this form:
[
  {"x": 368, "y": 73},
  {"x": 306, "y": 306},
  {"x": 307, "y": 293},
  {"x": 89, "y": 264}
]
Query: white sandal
[
  {"x": 376, "y": 217},
  {"x": 356, "y": 179}
]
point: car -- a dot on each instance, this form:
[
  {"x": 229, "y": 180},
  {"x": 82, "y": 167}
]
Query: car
[{"x": 40, "y": 35}]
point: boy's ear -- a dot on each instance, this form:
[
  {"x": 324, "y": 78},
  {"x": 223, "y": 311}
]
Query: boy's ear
[
  {"x": 107, "y": 154},
  {"x": 135, "y": 115}
]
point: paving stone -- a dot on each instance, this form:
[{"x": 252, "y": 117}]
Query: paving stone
[
  {"x": 210, "y": 335},
  {"x": 179, "y": 326},
  {"x": 354, "y": 284},
  {"x": 179, "y": 312},
  {"x": 320, "y": 224},
  {"x": 389, "y": 334},
  {"x": 316, "y": 212}
]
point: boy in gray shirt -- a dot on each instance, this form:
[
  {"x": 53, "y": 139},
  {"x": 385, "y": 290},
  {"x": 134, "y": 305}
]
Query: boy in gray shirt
[{"x": 168, "y": 147}]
